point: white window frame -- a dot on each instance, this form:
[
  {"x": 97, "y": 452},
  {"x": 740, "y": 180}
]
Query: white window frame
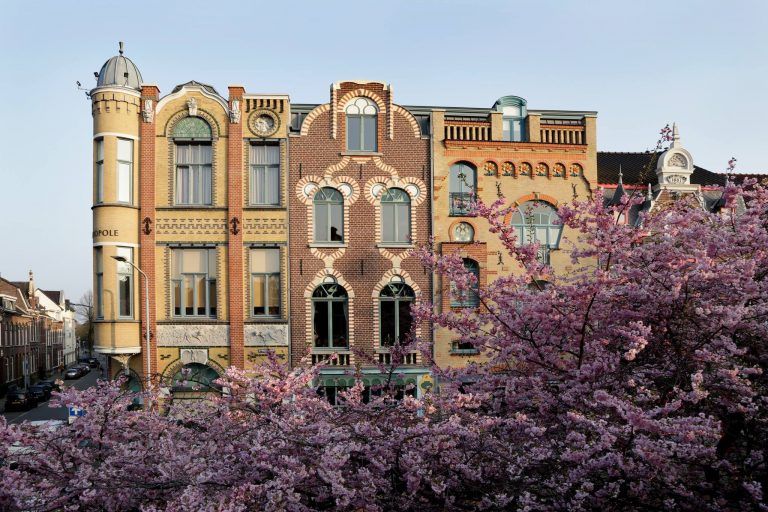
[{"x": 129, "y": 167}]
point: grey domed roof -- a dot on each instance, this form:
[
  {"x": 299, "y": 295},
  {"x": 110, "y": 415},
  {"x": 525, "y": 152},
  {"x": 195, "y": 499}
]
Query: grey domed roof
[{"x": 119, "y": 71}]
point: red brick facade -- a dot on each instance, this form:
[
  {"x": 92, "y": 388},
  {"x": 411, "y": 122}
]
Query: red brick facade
[
  {"x": 147, "y": 231},
  {"x": 234, "y": 249},
  {"x": 319, "y": 158}
]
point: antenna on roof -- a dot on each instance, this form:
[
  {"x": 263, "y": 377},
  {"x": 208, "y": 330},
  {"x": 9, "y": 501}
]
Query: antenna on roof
[{"x": 120, "y": 43}]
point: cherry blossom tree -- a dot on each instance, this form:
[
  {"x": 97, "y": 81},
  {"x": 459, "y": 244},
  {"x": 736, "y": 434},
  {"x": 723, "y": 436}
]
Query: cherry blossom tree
[{"x": 634, "y": 381}]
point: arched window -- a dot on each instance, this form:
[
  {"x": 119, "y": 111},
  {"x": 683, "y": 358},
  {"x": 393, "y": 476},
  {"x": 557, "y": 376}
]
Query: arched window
[
  {"x": 463, "y": 183},
  {"x": 192, "y": 137},
  {"x": 396, "y": 216},
  {"x": 329, "y": 215},
  {"x": 362, "y": 114},
  {"x": 395, "y": 302},
  {"x": 195, "y": 377},
  {"x": 537, "y": 221},
  {"x": 330, "y": 316},
  {"x": 468, "y": 297}
]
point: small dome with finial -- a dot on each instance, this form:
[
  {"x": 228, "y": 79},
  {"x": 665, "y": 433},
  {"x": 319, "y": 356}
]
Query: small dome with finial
[{"x": 119, "y": 71}]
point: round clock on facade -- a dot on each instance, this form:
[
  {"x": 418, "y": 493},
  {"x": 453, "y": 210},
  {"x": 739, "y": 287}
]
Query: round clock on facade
[{"x": 264, "y": 123}]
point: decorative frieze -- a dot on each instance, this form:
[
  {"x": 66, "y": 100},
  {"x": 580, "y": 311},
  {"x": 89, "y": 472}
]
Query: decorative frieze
[
  {"x": 193, "y": 335},
  {"x": 256, "y": 335}
]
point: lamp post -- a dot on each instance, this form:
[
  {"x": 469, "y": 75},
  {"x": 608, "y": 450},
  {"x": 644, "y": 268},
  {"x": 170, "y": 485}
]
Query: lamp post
[{"x": 122, "y": 259}]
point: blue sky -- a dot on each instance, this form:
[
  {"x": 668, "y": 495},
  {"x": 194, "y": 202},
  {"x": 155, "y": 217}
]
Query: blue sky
[{"x": 640, "y": 64}]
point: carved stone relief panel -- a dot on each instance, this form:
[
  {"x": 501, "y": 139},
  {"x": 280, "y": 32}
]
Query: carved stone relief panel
[
  {"x": 193, "y": 355},
  {"x": 193, "y": 335},
  {"x": 265, "y": 334}
]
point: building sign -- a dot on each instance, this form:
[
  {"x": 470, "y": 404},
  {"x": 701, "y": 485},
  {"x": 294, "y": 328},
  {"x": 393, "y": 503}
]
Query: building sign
[{"x": 105, "y": 232}]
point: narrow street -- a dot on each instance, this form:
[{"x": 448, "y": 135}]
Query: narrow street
[{"x": 44, "y": 412}]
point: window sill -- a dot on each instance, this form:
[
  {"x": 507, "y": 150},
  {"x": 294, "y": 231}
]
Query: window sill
[
  {"x": 361, "y": 153},
  {"x": 464, "y": 352},
  {"x": 189, "y": 206},
  {"x": 327, "y": 246},
  {"x": 331, "y": 350},
  {"x": 386, "y": 245},
  {"x": 122, "y": 205},
  {"x": 192, "y": 320},
  {"x": 265, "y": 320},
  {"x": 264, "y": 207}
]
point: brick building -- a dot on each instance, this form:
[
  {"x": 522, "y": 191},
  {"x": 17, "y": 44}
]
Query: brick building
[
  {"x": 263, "y": 225},
  {"x": 359, "y": 201},
  {"x": 190, "y": 188},
  {"x": 32, "y": 336},
  {"x": 534, "y": 159}
]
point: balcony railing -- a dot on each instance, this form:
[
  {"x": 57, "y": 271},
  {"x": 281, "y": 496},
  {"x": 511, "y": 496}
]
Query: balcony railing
[
  {"x": 342, "y": 359},
  {"x": 460, "y": 203},
  {"x": 562, "y": 134},
  {"x": 409, "y": 358},
  {"x": 470, "y": 130},
  {"x": 551, "y": 131},
  {"x": 543, "y": 254}
]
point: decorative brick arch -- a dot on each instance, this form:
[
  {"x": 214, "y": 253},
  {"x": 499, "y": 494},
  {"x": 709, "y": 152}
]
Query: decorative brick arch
[
  {"x": 342, "y": 103},
  {"x": 314, "y": 114},
  {"x": 535, "y": 196},
  {"x": 387, "y": 278},
  {"x": 411, "y": 120},
  {"x": 175, "y": 366},
  {"x": 202, "y": 114}
]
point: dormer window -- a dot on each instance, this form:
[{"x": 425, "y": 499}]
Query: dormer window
[
  {"x": 513, "y": 123},
  {"x": 513, "y": 113},
  {"x": 362, "y": 115}
]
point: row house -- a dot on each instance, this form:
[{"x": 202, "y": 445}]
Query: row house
[
  {"x": 32, "y": 339},
  {"x": 227, "y": 227}
]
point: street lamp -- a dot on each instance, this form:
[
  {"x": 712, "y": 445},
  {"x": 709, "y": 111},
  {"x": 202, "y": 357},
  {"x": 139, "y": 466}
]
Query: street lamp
[{"x": 122, "y": 259}]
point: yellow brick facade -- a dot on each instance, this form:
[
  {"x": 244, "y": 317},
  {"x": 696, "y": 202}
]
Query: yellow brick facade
[{"x": 477, "y": 139}]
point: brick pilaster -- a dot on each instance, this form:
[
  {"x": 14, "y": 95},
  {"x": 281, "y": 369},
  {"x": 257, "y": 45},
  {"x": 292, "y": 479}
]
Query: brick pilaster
[
  {"x": 147, "y": 239},
  {"x": 235, "y": 219}
]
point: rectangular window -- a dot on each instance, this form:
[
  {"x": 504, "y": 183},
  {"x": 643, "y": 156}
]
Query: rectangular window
[
  {"x": 423, "y": 121},
  {"x": 193, "y": 282},
  {"x": 369, "y": 133},
  {"x": 265, "y": 282},
  {"x": 264, "y": 161},
  {"x": 99, "y": 264},
  {"x": 125, "y": 283},
  {"x": 193, "y": 174},
  {"x": 512, "y": 129},
  {"x": 125, "y": 171},
  {"x": 297, "y": 118},
  {"x": 99, "y": 171}
]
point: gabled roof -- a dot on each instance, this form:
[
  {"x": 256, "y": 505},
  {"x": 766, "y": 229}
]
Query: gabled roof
[
  {"x": 54, "y": 295},
  {"x": 12, "y": 289},
  {"x": 634, "y": 164}
]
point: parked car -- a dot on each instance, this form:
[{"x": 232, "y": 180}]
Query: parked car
[
  {"x": 85, "y": 367},
  {"x": 93, "y": 362},
  {"x": 19, "y": 401},
  {"x": 51, "y": 384},
  {"x": 73, "y": 373},
  {"x": 39, "y": 393}
]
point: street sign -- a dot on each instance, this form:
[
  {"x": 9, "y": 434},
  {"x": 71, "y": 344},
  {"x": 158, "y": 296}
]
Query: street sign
[{"x": 74, "y": 413}]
